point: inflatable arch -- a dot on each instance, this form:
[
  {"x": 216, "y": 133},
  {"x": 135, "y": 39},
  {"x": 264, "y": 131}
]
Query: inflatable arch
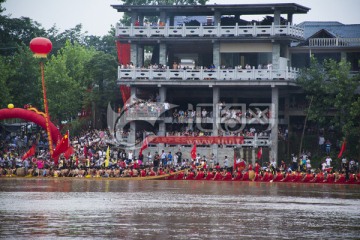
[{"x": 34, "y": 117}]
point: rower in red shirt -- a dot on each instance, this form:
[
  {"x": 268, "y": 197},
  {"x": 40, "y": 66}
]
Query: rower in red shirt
[
  {"x": 190, "y": 175},
  {"x": 278, "y": 177},
  {"x": 238, "y": 176},
  {"x": 340, "y": 178},
  {"x": 257, "y": 168},
  {"x": 180, "y": 176},
  {"x": 298, "y": 177},
  {"x": 228, "y": 176},
  {"x": 142, "y": 173},
  {"x": 218, "y": 176},
  {"x": 209, "y": 175},
  {"x": 152, "y": 172},
  {"x": 308, "y": 177},
  {"x": 200, "y": 175}
]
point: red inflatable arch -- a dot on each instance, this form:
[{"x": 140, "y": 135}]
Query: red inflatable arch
[{"x": 32, "y": 117}]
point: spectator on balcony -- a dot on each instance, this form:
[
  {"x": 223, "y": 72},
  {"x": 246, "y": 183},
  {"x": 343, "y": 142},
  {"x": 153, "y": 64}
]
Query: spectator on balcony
[
  {"x": 175, "y": 65},
  {"x": 247, "y": 66},
  {"x": 137, "y": 23},
  {"x": 269, "y": 66}
]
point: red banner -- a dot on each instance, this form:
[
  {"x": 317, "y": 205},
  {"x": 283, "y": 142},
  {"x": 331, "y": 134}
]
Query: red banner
[{"x": 205, "y": 140}]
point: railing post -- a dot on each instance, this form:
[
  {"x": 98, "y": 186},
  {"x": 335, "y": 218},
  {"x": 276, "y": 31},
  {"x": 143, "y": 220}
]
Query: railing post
[
  {"x": 253, "y": 72},
  {"x": 131, "y": 30},
  {"x": 254, "y": 30},
  {"x": 148, "y": 31},
  {"x": 218, "y": 73},
  {"x": 201, "y": 73},
  {"x": 272, "y": 32},
  {"x": 236, "y": 29},
  {"x": 166, "y": 30},
  {"x": 288, "y": 29},
  {"x": 183, "y": 30},
  {"x": 201, "y": 32},
  {"x": 219, "y": 30}
]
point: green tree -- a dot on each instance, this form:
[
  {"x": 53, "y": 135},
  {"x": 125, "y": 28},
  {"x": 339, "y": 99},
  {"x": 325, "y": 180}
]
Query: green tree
[
  {"x": 25, "y": 83},
  {"x": 102, "y": 69},
  {"x": 66, "y": 80},
  {"x": 333, "y": 93},
  {"x": 6, "y": 73}
]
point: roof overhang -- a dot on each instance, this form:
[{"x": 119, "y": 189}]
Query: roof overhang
[{"x": 208, "y": 10}]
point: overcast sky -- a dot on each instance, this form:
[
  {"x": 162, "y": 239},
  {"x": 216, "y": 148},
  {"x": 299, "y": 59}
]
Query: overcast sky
[{"x": 97, "y": 16}]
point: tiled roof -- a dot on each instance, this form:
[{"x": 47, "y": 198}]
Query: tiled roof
[{"x": 335, "y": 28}]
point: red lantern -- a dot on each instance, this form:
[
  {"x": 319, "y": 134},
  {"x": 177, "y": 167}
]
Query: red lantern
[{"x": 40, "y": 47}]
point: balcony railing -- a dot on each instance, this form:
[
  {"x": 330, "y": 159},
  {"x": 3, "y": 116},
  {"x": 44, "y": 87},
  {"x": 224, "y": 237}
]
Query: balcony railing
[
  {"x": 205, "y": 74},
  {"x": 210, "y": 31},
  {"x": 334, "y": 42}
]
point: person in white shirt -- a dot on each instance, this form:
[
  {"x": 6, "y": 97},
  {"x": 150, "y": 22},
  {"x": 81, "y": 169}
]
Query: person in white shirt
[{"x": 328, "y": 161}]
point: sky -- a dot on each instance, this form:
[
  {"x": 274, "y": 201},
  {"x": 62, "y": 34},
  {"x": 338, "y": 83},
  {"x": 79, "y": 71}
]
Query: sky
[{"x": 97, "y": 16}]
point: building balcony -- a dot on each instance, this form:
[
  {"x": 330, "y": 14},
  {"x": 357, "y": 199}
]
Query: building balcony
[
  {"x": 138, "y": 74},
  {"x": 210, "y": 31},
  {"x": 334, "y": 42}
]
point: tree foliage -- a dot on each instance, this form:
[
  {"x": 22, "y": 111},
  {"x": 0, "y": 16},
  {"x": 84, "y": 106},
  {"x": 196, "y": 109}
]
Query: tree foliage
[{"x": 334, "y": 92}]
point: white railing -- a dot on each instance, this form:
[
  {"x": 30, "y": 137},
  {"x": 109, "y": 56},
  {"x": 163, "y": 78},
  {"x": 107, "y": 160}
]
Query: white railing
[
  {"x": 334, "y": 42},
  {"x": 210, "y": 31},
  {"x": 205, "y": 74}
]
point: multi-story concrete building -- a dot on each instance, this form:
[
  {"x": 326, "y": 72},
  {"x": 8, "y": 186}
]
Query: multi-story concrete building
[{"x": 238, "y": 76}]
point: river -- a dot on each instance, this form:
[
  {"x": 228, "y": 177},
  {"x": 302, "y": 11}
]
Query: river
[{"x": 102, "y": 209}]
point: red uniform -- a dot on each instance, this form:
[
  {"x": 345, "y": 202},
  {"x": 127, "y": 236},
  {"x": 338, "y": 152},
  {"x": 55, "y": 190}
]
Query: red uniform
[
  {"x": 190, "y": 176},
  {"x": 330, "y": 178},
  {"x": 142, "y": 173},
  {"x": 218, "y": 176},
  {"x": 341, "y": 179},
  {"x": 238, "y": 176},
  {"x": 308, "y": 177},
  {"x": 180, "y": 176},
  {"x": 298, "y": 177},
  {"x": 209, "y": 176},
  {"x": 227, "y": 177},
  {"x": 246, "y": 177},
  {"x": 200, "y": 175},
  {"x": 257, "y": 168},
  {"x": 278, "y": 177}
]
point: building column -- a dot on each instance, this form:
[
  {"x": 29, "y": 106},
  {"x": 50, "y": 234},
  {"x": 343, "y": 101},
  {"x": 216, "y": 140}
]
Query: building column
[
  {"x": 343, "y": 55},
  {"x": 140, "y": 56},
  {"x": 134, "y": 17},
  {"x": 216, "y": 54},
  {"x": 216, "y": 118},
  {"x": 217, "y": 18},
  {"x": 162, "y": 54},
  {"x": 163, "y": 17},
  {"x": 275, "y": 56},
  {"x": 253, "y": 156},
  {"x": 274, "y": 123},
  {"x": 290, "y": 18},
  {"x": 134, "y": 53},
  {"x": 172, "y": 20},
  {"x": 162, "y": 127},
  {"x": 132, "y": 133},
  {"x": 277, "y": 14}
]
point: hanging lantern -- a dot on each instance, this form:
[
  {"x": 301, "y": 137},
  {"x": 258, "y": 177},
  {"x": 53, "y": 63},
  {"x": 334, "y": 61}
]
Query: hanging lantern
[{"x": 40, "y": 47}]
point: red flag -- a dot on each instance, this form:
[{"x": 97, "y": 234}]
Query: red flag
[
  {"x": 144, "y": 146},
  {"x": 29, "y": 153},
  {"x": 61, "y": 147},
  {"x": 193, "y": 152},
  {"x": 259, "y": 153},
  {"x": 70, "y": 151},
  {"x": 342, "y": 150},
  {"x": 85, "y": 151},
  {"x": 234, "y": 160}
]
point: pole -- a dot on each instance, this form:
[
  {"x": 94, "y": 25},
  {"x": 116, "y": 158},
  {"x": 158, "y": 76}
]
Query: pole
[
  {"x": 47, "y": 116},
  {"x": 303, "y": 132}
]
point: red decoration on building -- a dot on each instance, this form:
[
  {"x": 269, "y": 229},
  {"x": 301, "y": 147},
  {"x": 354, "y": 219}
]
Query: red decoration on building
[{"x": 40, "y": 47}]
